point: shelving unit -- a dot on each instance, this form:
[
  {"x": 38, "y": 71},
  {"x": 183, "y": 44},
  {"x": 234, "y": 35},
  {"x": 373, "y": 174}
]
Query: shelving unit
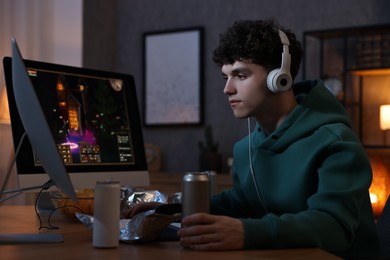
[{"x": 355, "y": 65}]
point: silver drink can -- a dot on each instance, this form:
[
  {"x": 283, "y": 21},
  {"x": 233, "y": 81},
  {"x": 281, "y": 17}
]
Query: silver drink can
[
  {"x": 195, "y": 197},
  {"x": 213, "y": 182}
]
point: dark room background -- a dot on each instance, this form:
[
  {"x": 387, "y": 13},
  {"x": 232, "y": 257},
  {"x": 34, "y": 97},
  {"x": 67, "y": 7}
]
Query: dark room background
[{"x": 113, "y": 39}]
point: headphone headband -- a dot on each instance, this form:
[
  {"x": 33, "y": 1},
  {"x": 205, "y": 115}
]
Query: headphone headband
[{"x": 283, "y": 38}]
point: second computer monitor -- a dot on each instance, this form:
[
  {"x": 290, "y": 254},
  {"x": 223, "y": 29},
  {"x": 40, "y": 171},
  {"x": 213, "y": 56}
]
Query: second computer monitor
[{"x": 94, "y": 118}]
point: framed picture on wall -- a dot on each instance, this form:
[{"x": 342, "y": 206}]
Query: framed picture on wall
[{"x": 173, "y": 77}]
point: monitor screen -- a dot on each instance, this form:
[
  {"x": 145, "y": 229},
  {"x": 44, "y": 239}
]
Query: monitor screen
[{"x": 94, "y": 119}]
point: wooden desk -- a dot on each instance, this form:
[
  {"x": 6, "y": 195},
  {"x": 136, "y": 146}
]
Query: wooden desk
[
  {"x": 166, "y": 182},
  {"x": 78, "y": 244}
]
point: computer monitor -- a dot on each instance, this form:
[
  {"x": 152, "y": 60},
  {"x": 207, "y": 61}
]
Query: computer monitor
[{"x": 94, "y": 119}]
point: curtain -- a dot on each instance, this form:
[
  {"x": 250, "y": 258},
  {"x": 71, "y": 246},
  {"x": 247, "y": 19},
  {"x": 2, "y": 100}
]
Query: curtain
[{"x": 46, "y": 30}]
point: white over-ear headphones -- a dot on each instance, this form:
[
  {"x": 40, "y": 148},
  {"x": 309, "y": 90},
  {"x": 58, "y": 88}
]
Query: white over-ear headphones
[{"x": 280, "y": 80}]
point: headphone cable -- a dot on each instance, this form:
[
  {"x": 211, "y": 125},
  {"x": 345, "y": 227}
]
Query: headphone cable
[{"x": 251, "y": 166}]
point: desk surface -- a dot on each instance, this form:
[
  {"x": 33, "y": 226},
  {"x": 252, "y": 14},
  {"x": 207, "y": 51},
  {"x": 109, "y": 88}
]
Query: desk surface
[{"x": 78, "y": 244}]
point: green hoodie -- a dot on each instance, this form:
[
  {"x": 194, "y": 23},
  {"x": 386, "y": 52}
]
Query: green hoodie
[{"x": 313, "y": 177}]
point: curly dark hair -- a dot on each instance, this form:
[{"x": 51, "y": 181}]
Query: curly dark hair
[{"x": 257, "y": 42}]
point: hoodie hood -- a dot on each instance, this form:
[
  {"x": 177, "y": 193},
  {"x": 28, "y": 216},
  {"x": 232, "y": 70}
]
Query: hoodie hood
[{"x": 317, "y": 107}]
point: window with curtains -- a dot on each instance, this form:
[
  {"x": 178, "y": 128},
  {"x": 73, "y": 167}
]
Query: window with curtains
[{"x": 46, "y": 30}]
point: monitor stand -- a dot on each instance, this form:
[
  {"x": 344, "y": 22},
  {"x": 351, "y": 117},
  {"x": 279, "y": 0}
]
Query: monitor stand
[
  {"x": 30, "y": 238},
  {"x": 44, "y": 203},
  {"x": 33, "y": 237}
]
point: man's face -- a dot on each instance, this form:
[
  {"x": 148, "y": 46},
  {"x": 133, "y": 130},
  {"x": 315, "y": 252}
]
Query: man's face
[{"x": 246, "y": 88}]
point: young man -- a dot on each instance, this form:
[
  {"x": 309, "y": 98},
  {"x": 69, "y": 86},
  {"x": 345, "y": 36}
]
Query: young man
[{"x": 301, "y": 178}]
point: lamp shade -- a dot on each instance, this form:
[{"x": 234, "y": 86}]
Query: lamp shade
[
  {"x": 4, "y": 110},
  {"x": 385, "y": 117}
]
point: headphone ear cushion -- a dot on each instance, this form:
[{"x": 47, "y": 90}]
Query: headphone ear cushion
[
  {"x": 270, "y": 80},
  {"x": 277, "y": 81}
]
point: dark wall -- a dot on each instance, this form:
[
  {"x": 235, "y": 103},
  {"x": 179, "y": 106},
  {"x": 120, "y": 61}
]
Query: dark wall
[{"x": 113, "y": 33}]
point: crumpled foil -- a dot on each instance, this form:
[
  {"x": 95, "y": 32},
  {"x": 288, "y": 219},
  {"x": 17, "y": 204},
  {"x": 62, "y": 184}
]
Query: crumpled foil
[
  {"x": 131, "y": 196},
  {"x": 145, "y": 226}
]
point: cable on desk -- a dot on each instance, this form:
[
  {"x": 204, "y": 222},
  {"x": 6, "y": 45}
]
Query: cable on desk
[{"x": 49, "y": 225}]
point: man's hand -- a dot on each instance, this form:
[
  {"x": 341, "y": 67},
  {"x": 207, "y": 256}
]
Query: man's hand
[
  {"x": 139, "y": 207},
  {"x": 203, "y": 231}
]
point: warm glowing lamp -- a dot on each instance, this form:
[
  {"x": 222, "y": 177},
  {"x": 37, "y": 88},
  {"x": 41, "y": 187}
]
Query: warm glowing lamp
[
  {"x": 4, "y": 110},
  {"x": 380, "y": 186},
  {"x": 384, "y": 123},
  {"x": 380, "y": 163}
]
